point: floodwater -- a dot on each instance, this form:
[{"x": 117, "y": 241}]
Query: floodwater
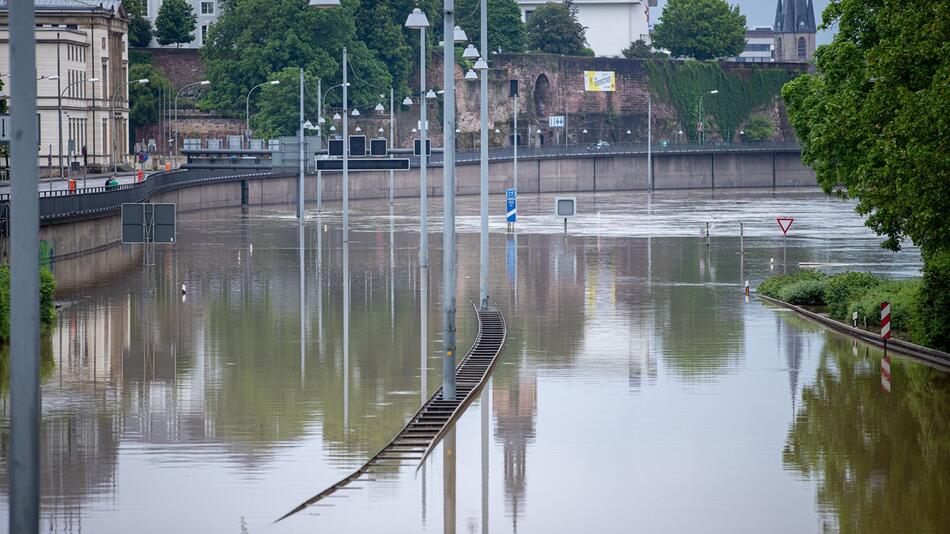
[{"x": 637, "y": 391}]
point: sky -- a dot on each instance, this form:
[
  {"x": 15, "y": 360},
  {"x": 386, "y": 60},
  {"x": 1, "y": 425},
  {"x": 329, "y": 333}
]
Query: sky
[{"x": 760, "y": 13}]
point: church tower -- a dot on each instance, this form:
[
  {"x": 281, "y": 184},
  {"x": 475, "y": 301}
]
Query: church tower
[{"x": 795, "y": 30}]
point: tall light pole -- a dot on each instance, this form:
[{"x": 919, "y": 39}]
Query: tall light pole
[
  {"x": 346, "y": 154},
  {"x": 482, "y": 67},
  {"x": 452, "y": 34},
  {"x": 178, "y": 94},
  {"x": 702, "y": 119},
  {"x": 63, "y": 92},
  {"x": 25, "y": 407},
  {"x": 418, "y": 19},
  {"x": 300, "y": 182},
  {"x": 247, "y": 110},
  {"x": 115, "y": 94}
]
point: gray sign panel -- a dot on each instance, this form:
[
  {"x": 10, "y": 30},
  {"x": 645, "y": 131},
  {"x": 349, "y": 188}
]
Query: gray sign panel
[{"x": 148, "y": 223}]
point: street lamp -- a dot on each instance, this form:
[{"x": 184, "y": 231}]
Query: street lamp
[
  {"x": 247, "y": 109},
  {"x": 379, "y": 108},
  {"x": 470, "y": 76},
  {"x": 112, "y": 103},
  {"x": 356, "y": 112},
  {"x": 407, "y": 101},
  {"x": 336, "y": 116},
  {"x": 702, "y": 120},
  {"x": 417, "y": 20},
  {"x": 60, "y": 105},
  {"x": 201, "y": 83},
  {"x": 470, "y": 52}
]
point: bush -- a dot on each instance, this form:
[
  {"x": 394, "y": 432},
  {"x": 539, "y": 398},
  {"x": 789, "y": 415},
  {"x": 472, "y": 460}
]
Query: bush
[
  {"x": 804, "y": 293},
  {"x": 772, "y": 287},
  {"x": 903, "y": 296},
  {"x": 843, "y": 288},
  {"x": 47, "y": 305},
  {"x": 933, "y": 325}
]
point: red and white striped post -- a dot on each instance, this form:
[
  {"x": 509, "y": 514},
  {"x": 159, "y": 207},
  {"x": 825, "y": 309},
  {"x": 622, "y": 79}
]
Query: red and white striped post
[{"x": 885, "y": 335}]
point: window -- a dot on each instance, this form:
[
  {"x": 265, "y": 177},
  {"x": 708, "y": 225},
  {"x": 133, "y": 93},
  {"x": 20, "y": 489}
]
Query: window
[
  {"x": 204, "y": 33},
  {"x": 207, "y": 8},
  {"x": 103, "y": 43},
  {"x": 779, "y": 54},
  {"x": 757, "y": 47},
  {"x": 802, "y": 48},
  {"x": 105, "y": 78},
  {"x": 105, "y": 134},
  {"x": 527, "y": 15}
]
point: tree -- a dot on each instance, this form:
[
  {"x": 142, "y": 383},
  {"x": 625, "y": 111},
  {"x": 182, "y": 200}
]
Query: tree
[
  {"x": 380, "y": 25},
  {"x": 639, "y": 49},
  {"x": 759, "y": 128},
  {"x": 140, "y": 29},
  {"x": 256, "y": 40},
  {"x": 176, "y": 23},
  {"x": 553, "y": 28},
  {"x": 701, "y": 29},
  {"x": 506, "y": 31},
  {"x": 873, "y": 125},
  {"x": 144, "y": 98}
]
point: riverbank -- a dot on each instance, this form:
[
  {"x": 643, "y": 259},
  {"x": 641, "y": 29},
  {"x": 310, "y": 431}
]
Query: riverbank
[
  {"x": 47, "y": 306},
  {"x": 854, "y": 299}
]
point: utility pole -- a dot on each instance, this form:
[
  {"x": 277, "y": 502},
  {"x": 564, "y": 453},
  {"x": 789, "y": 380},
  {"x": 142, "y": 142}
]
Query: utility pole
[
  {"x": 483, "y": 241},
  {"x": 346, "y": 155},
  {"x": 25, "y": 408},
  {"x": 448, "y": 188},
  {"x": 300, "y": 185},
  {"x": 392, "y": 141}
]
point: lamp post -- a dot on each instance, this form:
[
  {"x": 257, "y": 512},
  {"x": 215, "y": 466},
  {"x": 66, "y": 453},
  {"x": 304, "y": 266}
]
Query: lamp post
[
  {"x": 63, "y": 92},
  {"x": 115, "y": 94},
  {"x": 417, "y": 19},
  {"x": 448, "y": 188},
  {"x": 702, "y": 119},
  {"x": 346, "y": 154},
  {"x": 481, "y": 66},
  {"x": 247, "y": 110},
  {"x": 178, "y": 94}
]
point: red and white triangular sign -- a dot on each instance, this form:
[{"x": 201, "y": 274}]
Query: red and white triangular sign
[{"x": 785, "y": 223}]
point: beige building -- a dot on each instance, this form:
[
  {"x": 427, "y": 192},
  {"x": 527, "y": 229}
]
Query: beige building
[{"x": 82, "y": 71}]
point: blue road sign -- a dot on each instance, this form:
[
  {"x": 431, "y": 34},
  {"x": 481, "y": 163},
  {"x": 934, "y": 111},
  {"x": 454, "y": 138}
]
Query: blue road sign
[{"x": 511, "y": 205}]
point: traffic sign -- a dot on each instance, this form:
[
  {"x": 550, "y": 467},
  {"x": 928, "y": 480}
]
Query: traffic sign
[
  {"x": 556, "y": 121},
  {"x": 785, "y": 223},
  {"x": 885, "y": 320},
  {"x": 511, "y": 205}
]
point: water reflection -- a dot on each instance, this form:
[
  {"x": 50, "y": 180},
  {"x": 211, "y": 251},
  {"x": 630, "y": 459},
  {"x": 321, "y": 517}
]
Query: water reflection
[{"x": 628, "y": 339}]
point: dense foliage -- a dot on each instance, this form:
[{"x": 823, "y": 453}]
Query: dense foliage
[
  {"x": 639, "y": 49},
  {"x": 701, "y": 29},
  {"x": 140, "y": 29},
  {"x": 758, "y": 128},
  {"x": 47, "y": 306},
  {"x": 175, "y": 23},
  {"x": 506, "y": 30},
  {"x": 554, "y": 29},
  {"x": 683, "y": 83},
  {"x": 874, "y": 123},
  {"x": 911, "y": 313},
  {"x": 144, "y": 98}
]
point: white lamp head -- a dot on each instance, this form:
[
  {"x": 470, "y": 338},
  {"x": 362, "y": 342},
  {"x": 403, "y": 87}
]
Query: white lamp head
[
  {"x": 417, "y": 20},
  {"x": 321, "y": 120},
  {"x": 356, "y": 113},
  {"x": 470, "y": 52},
  {"x": 414, "y": 130},
  {"x": 332, "y": 128},
  {"x": 480, "y": 65},
  {"x": 140, "y": 82},
  {"x": 379, "y": 108},
  {"x": 584, "y": 130},
  {"x": 380, "y": 131},
  {"x": 358, "y": 129},
  {"x": 628, "y": 132},
  {"x": 93, "y": 80},
  {"x": 324, "y": 4},
  {"x": 336, "y": 116},
  {"x": 497, "y": 130},
  {"x": 471, "y": 76},
  {"x": 430, "y": 95},
  {"x": 459, "y": 35},
  {"x": 714, "y": 92},
  {"x": 308, "y": 125},
  {"x": 407, "y": 101},
  {"x": 458, "y": 131},
  {"x": 204, "y": 82},
  {"x": 274, "y": 82}
]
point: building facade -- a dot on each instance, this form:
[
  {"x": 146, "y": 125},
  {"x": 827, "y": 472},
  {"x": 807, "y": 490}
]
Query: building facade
[
  {"x": 759, "y": 46},
  {"x": 611, "y": 24},
  {"x": 82, "y": 74},
  {"x": 207, "y": 12},
  {"x": 795, "y": 30}
]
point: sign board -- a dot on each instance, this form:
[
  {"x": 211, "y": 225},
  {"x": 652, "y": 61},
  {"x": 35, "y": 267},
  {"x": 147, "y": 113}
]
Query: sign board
[
  {"x": 148, "y": 223},
  {"x": 377, "y": 164},
  {"x": 377, "y": 147},
  {"x": 357, "y": 145},
  {"x": 565, "y": 207},
  {"x": 511, "y": 205},
  {"x": 600, "y": 81},
  {"x": 785, "y": 223},
  {"x": 335, "y": 147},
  {"x": 885, "y": 320},
  {"x": 417, "y": 150},
  {"x": 556, "y": 121},
  {"x": 5, "y": 128}
]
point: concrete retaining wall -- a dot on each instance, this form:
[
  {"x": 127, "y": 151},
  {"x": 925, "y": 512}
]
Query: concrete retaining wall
[{"x": 601, "y": 172}]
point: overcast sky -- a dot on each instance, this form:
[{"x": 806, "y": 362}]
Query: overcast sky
[{"x": 760, "y": 13}]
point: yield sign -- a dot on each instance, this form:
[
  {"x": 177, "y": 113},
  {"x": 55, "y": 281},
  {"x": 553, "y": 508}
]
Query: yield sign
[{"x": 785, "y": 223}]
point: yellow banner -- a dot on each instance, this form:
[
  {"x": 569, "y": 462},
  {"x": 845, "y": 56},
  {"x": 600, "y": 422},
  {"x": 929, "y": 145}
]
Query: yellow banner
[{"x": 600, "y": 81}]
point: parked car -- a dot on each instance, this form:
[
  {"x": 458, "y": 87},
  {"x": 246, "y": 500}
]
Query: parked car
[{"x": 599, "y": 146}]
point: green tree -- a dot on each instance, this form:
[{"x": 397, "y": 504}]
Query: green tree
[
  {"x": 639, "y": 49},
  {"x": 256, "y": 40},
  {"x": 873, "y": 122},
  {"x": 379, "y": 24},
  {"x": 759, "y": 128},
  {"x": 554, "y": 29},
  {"x": 140, "y": 29},
  {"x": 701, "y": 29},
  {"x": 176, "y": 23},
  {"x": 144, "y": 98},
  {"x": 506, "y": 31}
]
